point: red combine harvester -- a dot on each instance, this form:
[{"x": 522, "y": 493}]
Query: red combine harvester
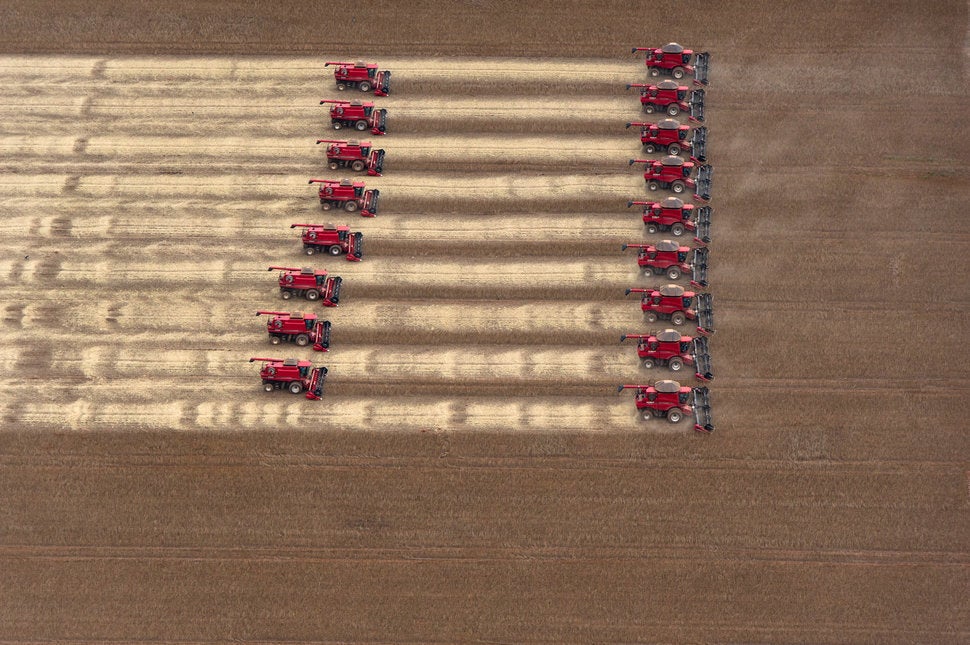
[
  {"x": 670, "y": 349},
  {"x": 673, "y": 60},
  {"x": 356, "y": 155},
  {"x": 675, "y": 174},
  {"x": 363, "y": 76},
  {"x": 332, "y": 239},
  {"x": 673, "y": 215},
  {"x": 666, "y": 257},
  {"x": 668, "y": 399},
  {"x": 312, "y": 285},
  {"x": 671, "y": 136},
  {"x": 298, "y": 328},
  {"x": 671, "y": 302},
  {"x": 348, "y": 195},
  {"x": 293, "y": 375},
  {"x": 358, "y": 115},
  {"x": 667, "y": 96}
]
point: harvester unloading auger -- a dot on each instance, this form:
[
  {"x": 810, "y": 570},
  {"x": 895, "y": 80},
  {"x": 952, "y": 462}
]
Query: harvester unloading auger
[{"x": 670, "y": 400}]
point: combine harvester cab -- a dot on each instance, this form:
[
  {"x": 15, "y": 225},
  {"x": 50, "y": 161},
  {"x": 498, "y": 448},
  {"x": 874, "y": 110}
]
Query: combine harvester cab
[
  {"x": 359, "y": 115},
  {"x": 300, "y": 328},
  {"x": 291, "y": 374},
  {"x": 348, "y": 195},
  {"x": 695, "y": 109},
  {"x": 356, "y": 155},
  {"x": 364, "y": 76},
  {"x": 702, "y": 358},
  {"x": 309, "y": 283},
  {"x": 673, "y": 60},
  {"x": 332, "y": 239},
  {"x": 702, "y": 186},
  {"x": 668, "y": 399}
]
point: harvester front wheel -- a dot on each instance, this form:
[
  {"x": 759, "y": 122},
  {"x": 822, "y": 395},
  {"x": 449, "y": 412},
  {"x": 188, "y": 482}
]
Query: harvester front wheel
[
  {"x": 653, "y": 228},
  {"x": 274, "y": 340},
  {"x": 309, "y": 250},
  {"x": 673, "y": 272},
  {"x": 326, "y": 205},
  {"x": 364, "y": 86},
  {"x": 675, "y": 363},
  {"x": 357, "y": 166},
  {"x": 350, "y": 206},
  {"x": 361, "y": 125},
  {"x": 302, "y": 340},
  {"x": 268, "y": 387},
  {"x": 646, "y": 415},
  {"x": 648, "y": 363},
  {"x": 312, "y": 294},
  {"x": 649, "y": 148},
  {"x": 649, "y": 108},
  {"x": 678, "y": 187},
  {"x": 295, "y": 387},
  {"x": 673, "y": 109},
  {"x": 678, "y": 318},
  {"x": 333, "y": 165},
  {"x": 650, "y": 317},
  {"x": 335, "y": 249},
  {"x": 674, "y": 415},
  {"x": 652, "y": 185},
  {"x": 336, "y": 125},
  {"x": 341, "y": 86},
  {"x": 677, "y": 230},
  {"x": 286, "y": 294},
  {"x": 673, "y": 149},
  {"x": 678, "y": 73},
  {"x": 654, "y": 71}
]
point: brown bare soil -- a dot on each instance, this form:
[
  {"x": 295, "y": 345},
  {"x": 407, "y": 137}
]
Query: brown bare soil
[{"x": 471, "y": 474}]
